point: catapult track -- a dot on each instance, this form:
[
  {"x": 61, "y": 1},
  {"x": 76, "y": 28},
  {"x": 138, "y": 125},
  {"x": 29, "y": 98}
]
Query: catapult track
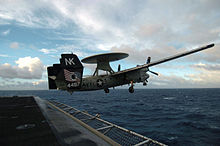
[{"x": 98, "y": 126}]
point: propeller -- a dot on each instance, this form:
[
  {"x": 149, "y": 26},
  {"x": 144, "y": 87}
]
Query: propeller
[{"x": 148, "y": 61}]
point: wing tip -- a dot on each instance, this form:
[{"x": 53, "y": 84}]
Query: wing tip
[{"x": 210, "y": 45}]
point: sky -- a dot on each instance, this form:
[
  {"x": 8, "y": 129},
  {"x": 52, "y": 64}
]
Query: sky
[{"x": 33, "y": 35}]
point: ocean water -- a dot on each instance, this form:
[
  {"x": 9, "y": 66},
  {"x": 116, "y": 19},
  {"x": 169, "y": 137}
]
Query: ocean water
[{"x": 171, "y": 116}]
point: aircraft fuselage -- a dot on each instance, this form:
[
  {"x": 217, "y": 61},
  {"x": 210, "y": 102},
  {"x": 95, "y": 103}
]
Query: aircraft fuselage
[{"x": 105, "y": 81}]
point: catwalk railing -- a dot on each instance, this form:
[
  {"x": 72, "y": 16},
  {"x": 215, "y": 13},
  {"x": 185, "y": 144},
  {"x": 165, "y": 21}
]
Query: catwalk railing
[{"x": 118, "y": 134}]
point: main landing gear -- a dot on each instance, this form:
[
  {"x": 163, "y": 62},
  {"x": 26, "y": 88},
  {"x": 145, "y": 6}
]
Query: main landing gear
[
  {"x": 131, "y": 89},
  {"x": 106, "y": 90},
  {"x": 145, "y": 83}
]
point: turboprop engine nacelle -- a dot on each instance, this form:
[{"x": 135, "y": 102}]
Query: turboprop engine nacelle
[{"x": 139, "y": 76}]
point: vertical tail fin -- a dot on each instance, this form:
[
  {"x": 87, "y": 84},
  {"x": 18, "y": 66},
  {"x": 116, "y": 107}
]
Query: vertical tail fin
[
  {"x": 53, "y": 72},
  {"x": 72, "y": 70},
  {"x": 69, "y": 70},
  {"x": 51, "y": 81}
]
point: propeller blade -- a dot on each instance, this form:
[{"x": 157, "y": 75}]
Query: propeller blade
[{"x": 154, "y": 73}]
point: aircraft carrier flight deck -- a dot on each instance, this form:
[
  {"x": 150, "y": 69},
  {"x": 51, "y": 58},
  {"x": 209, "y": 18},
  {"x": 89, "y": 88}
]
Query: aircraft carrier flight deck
[{"x": 33, "y": 121}]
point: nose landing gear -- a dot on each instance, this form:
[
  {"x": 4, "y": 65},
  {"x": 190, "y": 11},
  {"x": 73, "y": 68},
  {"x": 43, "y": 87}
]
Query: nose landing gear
[
  {"x": 145, "y": 83},
  {"x": 131, "y": 89}
]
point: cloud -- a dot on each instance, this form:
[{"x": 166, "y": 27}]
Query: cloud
[
  {"x": 48, "y": 51},
  {"x": 122, "y": 22},
  {"x": 6, "y": 32},
  {"x": 29, "y": 14},
  {"x": 89, "y": 69},
  {"x": 3, "y": 55},
  {"x": 203, "y": 76},
  {"x": 208, "y": 75},
  {"x": 27, "y": 68},
  {"x": 213, "y": 55},
  {"x": 168, "y": 81},
  {"x": 104, "y": 47},
  {"x": 14, "y": 45},
  {"x": 39, "y": 82},
  {"x": 149, "y": 30},
  {"x": 156, "y": 53},
  {"x": 140, "y": 55},
  {"x": 206, "y": 67},
  {"x": 192, "y": 81},
  {"x": 67, "y": 48},
  {"x": 23, "y": 85}
]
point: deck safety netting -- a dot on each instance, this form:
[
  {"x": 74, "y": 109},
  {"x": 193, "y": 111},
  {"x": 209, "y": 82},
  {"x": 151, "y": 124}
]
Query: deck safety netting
[
  {"x": 118, "y": 134},
  {"x": 123, "y": 137}
]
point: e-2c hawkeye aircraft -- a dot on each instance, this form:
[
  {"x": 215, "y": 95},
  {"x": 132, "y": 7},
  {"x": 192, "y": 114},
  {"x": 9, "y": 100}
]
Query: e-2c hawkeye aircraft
[{"x": 68, "y": 75}]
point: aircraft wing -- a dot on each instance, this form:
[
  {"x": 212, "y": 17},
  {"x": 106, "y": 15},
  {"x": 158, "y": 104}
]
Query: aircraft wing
[{"x": 164, "y": 59}]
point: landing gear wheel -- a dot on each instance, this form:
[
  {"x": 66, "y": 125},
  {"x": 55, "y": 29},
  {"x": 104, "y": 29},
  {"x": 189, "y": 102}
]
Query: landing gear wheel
[
  {"x": 144, "y": 84},
  {"x": 106, "y": 90},
  {"x": 131, "y": 89}
]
